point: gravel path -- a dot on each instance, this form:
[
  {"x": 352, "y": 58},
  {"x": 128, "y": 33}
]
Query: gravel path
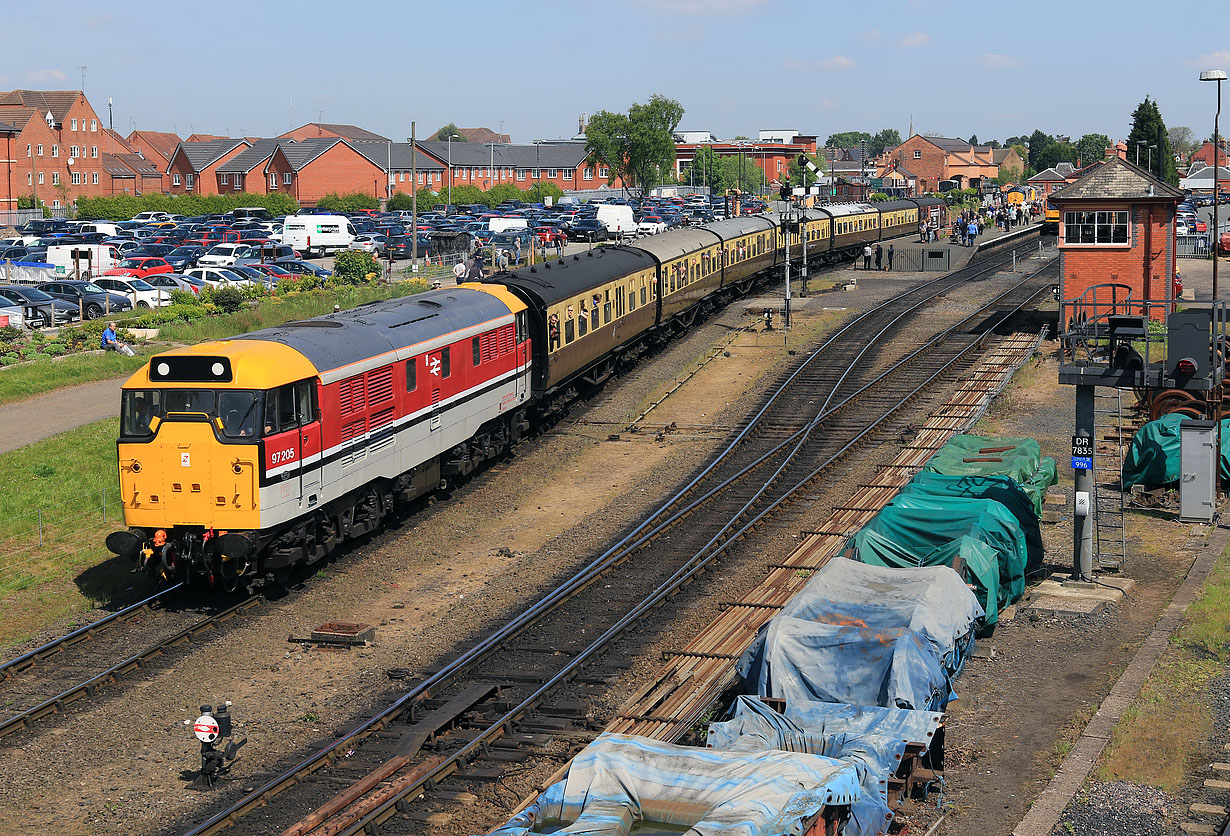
[{"x": 43, "y": 416}]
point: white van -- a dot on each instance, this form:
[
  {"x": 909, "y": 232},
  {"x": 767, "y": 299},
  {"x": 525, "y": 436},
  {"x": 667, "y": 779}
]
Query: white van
[
  {"x": 110, "y": 230},
  {"x": 91, "y": 259},
  {"x": 617, "y": 219},
  {"x": 505, "y": 224},
  {"x": 317, "y": 234}
]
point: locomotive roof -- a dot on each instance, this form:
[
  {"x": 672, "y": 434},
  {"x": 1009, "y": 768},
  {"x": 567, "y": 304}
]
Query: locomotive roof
[
  {"x": 562, "y": 278},
  {"x": 678, "y": 242},
  {"x": 896, "y": 205},
  {"x": 735, "y": 227},
  {"x": 340, "y": 339}
]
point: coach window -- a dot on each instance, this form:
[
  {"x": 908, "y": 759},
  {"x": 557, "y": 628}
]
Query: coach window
[
  {"x": 478, "y": 356},
  {"x": 569, "y": 330},
  {"x": 412, "y": 374},
  {"x": 643, "y": 295}
]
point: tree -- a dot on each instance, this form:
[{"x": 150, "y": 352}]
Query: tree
[
  {"x": 973, "y": 139},
  {"x": 1055, "y": 153},
  {"x": 887, "y": 138},
  {"x": 800, "y": 176},
  {"x": 705, "y": 168},
  {"x": 448, "y": 130},
  {"x": 1091, "y": 147},
  {"x": 1148, "y": 128},
  {"x": 1038, "y": 143},
  {"x": 637, "y": 147},
  {"x": 993, "y": 143},
  {"x": 1183, "y": 140},
  {"x": 848, "y": 139}
]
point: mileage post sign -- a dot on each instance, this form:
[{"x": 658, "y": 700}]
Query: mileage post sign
[{"x": 1082, "y": 452}]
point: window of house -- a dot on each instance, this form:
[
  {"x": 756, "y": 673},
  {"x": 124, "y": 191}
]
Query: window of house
[
  {"x": 1110, "y": 227},
  {"x": 273, "y": 180},
  {"x": 40, "y": 178},
  {"x": 412, "y": 374},
  {"x": 55, "y": 204},
  {"x": 94, "y": 125},
  {"x": 287, "y": 178},
  {"x": 175, "y": 180},
  {"x": 604, "y": 172},
  {"x": 224, "y": 179},
  {"x": 74, "y": 127},
  {"x": 188, "y": 178},
  {"x": 55, "y": 178},
  {"x": 536, "y": 173},
  {"x": 521, "y": 174},
  {"x": 40, "y": 149},
  {"x": 29, "y": 178},
  {"x": 589, "y": 174},
  {"x": 27, "y": 149},
  {"x": 551, "y": 172},
  {"x": 422, "y": 178},
  {"x": 76, "y": 179},
  {"x": 437, "y": 177},
  {"x": 94, "y": 152},
  {"x": 55, "y": 150},
  {"x": 94, "y": 178}
]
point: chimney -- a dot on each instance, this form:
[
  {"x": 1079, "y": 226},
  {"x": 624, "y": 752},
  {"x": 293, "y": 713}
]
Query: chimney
[{"x": 581, "y": 123}]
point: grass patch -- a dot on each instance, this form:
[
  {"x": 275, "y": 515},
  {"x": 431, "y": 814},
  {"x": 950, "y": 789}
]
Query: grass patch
[
  {"x": 1158, "y": 741},
  {"x": 46, "y": 374},
  {"x": 61, "y": 566}
]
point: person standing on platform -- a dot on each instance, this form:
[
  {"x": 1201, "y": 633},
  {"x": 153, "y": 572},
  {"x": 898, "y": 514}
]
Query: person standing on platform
[
  {"x": 867, "y": 257},
  {"x": 890, "y": 257},
  {"x": 879, "y": 257}
]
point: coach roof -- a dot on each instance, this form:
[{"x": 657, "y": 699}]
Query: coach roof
[{"x": 562, "y": 278}]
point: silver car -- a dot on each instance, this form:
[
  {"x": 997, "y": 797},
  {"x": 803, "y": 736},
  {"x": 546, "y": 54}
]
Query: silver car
[{"x": 369, "y": 243}]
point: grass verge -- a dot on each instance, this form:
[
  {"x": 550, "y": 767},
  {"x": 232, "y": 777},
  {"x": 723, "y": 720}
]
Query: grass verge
[
  {"x": 55, "y": 564},
  {"x": 46, "y": 374},
  {"x": 1159, "y": 739}
]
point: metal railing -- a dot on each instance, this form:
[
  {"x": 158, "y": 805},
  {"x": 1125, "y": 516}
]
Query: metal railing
[{"x": 921, "y": 259}]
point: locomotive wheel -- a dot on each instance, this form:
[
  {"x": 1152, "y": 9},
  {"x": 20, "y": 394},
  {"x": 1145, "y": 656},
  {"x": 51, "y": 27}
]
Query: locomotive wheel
[{"x": 1175, "y": 400}]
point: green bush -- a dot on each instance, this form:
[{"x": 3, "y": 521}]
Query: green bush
[
  {"x": 353, "y": 267},
  {"x": 185, "y": 297},
  {"x": 254, "y": 291},
  {"x": 167, "y": 315},
  {"x": 123, "y": 207},
  {"x": 229, "y": 299},
  {"x": 353, "y": 202},
  {"x": 55, "y": 349},
  {"x": 9, "y": 359}
]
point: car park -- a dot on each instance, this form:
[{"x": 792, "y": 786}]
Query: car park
[
  {"x": 140, "y": 266},
  {"x": 90, "y": 299},
  {"x": 588, "y": 229},
  {"x": 369, "y": 242},
  {"x": 142, "y": 293},
  {"x": 216, "y": 277},
  {"x": 35, "y": 304},
  {"x": 184, "y": 257},
  {"x": 303, "y": 268},
  {"x": 175, "y": 281}
]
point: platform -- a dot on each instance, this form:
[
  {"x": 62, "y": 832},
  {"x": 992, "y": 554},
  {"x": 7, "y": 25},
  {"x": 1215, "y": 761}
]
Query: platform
[{"x": 1060, "y": 597}]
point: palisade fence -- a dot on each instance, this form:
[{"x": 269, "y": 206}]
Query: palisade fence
[
  {"x": 55, "y": 531},
  {"x": 18, "y": 217}
]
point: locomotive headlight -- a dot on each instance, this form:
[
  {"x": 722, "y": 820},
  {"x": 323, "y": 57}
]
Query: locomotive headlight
[{"x": 136, "y": 466}]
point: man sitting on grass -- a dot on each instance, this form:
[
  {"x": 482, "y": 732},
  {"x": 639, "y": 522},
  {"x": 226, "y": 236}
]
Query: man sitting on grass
[{"x": 110, "y": 342}]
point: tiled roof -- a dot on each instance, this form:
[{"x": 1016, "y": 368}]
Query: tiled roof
[
  {"x": 300, "y": 154},
  {"x": 566, "y": 155},
  {"x": 379, "y": 153},
  {"x": 56, "y": 101},
  {"x": 1117, "y": 178},
  {"x": 333, "y": 129},
  {"x": 483, "y": 135},
  {"x": 139, "y": 164},
  {"x": 120, "y": 145},
  {"x": 250, "y": 158},
  {"x": 201, "y": 155},
  {"x": 205, "y": 138},
  {"x": 16, "y": 116},
  {"x": 161, "y": 141},
  {"x": 115, "y": 166}
]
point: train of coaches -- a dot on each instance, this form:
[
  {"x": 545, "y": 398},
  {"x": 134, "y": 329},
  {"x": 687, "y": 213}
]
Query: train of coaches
[{"x": 242, "y": 458}]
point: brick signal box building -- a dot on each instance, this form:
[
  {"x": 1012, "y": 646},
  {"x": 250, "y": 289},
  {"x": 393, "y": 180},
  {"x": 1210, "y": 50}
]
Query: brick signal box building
[{"x": 1117, "y": 226}]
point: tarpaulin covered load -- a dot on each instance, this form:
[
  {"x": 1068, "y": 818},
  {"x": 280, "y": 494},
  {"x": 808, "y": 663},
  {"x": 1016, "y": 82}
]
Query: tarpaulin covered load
[
  {"x": 933, "y": 602},
  {"x": 920, "y": 523},
  {"x": 1153, "y": 458},
  {"x": 981, "y": 562},
  {"x": 1002, "y": 489},
  {"x": 619, "y": 780},
  {"x": 877, "y": 756},
  {"x": 1018, "y": 458}
]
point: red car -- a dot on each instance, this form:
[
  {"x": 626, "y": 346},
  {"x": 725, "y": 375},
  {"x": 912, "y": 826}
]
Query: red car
[
  {"x": 141, "y": 266},
  {"x": 1223, "y": 243}
]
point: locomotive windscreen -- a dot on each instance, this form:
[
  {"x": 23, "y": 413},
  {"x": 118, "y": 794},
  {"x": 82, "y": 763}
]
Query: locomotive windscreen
[{"x": 190, "y": 369}]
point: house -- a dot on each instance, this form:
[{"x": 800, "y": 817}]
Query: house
[
  {"x": 155, "y": 146},
  {"x": 401, "y": 160},
  {"x": 898, "y": 181},
  {"x": 483, "y": 135},
  {"x": 312, "y": 168},
  {"x": 194, "y": 165},
  {"x": 1205, "y": 154},
  {"x": 55, "y": 143},
  {"x": 936, "y": 159},
  {"x": 131, "y": 174},
  {"x": 771, "y": 157},
  {"x": 1116, "y": 225},
  {"x": 564, "y": 164},
  {"x": 1053, "y": 179},
  {"x": 1200, "y": 178},
  {"x": 318, "y": 130},
  {"x": 205, "y": 138}
]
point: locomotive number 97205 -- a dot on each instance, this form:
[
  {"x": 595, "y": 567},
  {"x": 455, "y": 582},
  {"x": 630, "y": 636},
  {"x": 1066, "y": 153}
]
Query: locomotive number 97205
[{"x": 280, "y": 456}]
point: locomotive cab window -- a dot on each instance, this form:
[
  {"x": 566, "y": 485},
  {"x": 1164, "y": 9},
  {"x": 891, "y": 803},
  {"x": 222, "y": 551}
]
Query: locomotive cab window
[
  {"x": 136, "y": 409},
  {"x": 238, "y": 411},
  {"x": 281, "y": 412},
  {"x": 446, "y": 361}
]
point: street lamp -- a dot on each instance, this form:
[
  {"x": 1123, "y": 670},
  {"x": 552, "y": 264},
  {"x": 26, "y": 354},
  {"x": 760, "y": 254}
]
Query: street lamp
[
  {"x": 1219, "y": 76},
  {"x": 450, "y": 138}
]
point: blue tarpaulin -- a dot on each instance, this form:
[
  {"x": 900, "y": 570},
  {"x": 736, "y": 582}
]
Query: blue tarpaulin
[
  {"x": 866, "y": 635},
  {"x": 620, "y": 780}
]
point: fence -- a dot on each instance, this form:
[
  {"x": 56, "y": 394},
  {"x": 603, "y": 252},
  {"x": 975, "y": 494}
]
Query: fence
[
  {"x": 920, "y": 259},
  {"x": 34, "y": 543},
  {"x": 18, "y": 217},
  {"x": 1193, "y": 246}
]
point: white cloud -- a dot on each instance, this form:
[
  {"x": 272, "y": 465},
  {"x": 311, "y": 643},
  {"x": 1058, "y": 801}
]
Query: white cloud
[
  {"x": 44, "y": 76},
  {"x": 827, "y": 104},
  {"x": 838, "y": 62},
  {"x": 1217, "y": 60},
  {"x": 916, "y": 39},
  {"x": 995, "y": 61},
  {"x": 870, "y": 36}
]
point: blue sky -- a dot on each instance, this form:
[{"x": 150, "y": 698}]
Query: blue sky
[{"x": 994, "y": 69}]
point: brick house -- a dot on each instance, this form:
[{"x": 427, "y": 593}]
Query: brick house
[
  {"x": 312, "y": 168},
  {"x": 325, "y": 130},
  {"x": 564, "y": 164},
  {"x": 132, "y": 174},
  {"x": 936, "y": 158},
  {"x": 194, "y": 165},
  {"x": 245, "y": 171},
  {"x": 1205, "y": 154},
  {"x": 397, "y": 158},
  {"x": 772, "y": 158},
  {"x": 1116, "y": 225},
  {"x": 155, "y": 146},
  {"x": 483, "y": 135}
]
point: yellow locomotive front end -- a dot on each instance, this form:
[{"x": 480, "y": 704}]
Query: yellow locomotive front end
[{"x": 190, "y": 457}]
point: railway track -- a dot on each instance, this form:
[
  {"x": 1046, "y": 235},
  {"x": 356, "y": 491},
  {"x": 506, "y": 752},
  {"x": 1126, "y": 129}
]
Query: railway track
[
  {"x": 480, "y": 703},
  {"x": 78, "y": 666}
]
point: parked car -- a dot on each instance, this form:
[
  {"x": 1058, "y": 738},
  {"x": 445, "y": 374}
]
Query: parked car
[
  {"x": 89, "y": 297},
  {"x": 176, "y": 281},
  {"x": 185, "y": 257},
  {"x": 588, "y": 229},
  {"x": 143, "y": 294},
  {"x": 303, "y": 268},
  {"x": 223, "y": 255},
  {"x": 216, "y": 277},
  {"x": 275, "y": 271},
  {"x": 650, "y": 225},
  {"x": 140, "y": 266},
  {"x": 34, "y": 304},
  {"x": 370, "y": 242}
]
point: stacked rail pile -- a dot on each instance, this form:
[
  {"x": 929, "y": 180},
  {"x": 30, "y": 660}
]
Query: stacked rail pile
[{"x": 888, "y": 730}]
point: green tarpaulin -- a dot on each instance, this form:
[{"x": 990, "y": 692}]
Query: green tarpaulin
[
  {"x": 877, "y": 549},
  {"x": 1002, "y": 489},
  {"x": 1153, "y": 458},
  {"x": 919, "y": 524},
  {"x": 1020, "y": 459}
]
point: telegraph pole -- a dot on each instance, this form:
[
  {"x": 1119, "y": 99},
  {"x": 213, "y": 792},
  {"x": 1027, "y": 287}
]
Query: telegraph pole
[{"x": 414, "y": 197}]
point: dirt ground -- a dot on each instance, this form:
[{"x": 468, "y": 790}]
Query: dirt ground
[{"x": 1036, "y": 682}]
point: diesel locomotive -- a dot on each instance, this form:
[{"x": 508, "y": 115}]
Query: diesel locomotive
[{"x": 241, "y": 458}]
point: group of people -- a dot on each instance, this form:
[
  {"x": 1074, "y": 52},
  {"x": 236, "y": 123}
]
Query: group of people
[
  {"x": 878, "y": 255},
  {"x": 965, "y": 227}
]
